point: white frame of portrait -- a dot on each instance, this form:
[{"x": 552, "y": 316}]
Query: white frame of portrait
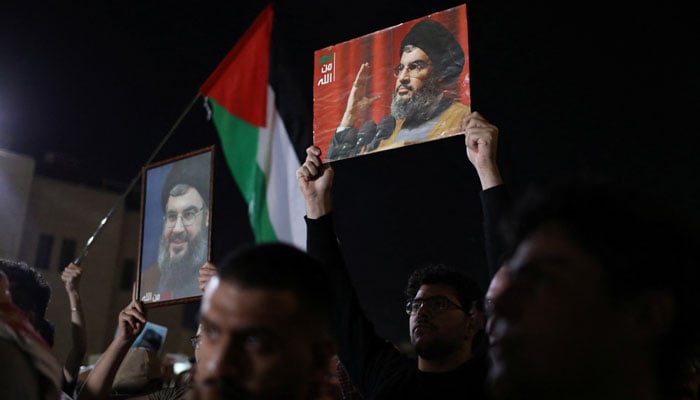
[{"x": 153, "y": 179}]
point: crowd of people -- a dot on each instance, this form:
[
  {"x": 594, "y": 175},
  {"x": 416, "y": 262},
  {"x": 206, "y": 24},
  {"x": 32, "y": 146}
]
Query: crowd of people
[
  {"x": 593, "y": 295},
  {"x": 593, "y": 291}
]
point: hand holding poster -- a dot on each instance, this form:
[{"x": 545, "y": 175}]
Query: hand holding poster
[{"x": 402, "y": 85}]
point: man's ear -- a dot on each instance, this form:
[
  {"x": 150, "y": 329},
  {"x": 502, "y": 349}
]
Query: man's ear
[
  {"x": 323, "y": 349},
  {"x": 31, "y": 316},
  {"x": 652, "y": 315},
  {"x": 470, "y": 330},
  {"x": 476, "y": 321}
]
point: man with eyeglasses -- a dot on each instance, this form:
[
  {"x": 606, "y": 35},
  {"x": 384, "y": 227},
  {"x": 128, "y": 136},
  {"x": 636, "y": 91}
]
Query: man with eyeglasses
[
  {"x": 184, "y": 244},
  {"x": 442, "y": 302},
  {"x": 423, "y": 106}
]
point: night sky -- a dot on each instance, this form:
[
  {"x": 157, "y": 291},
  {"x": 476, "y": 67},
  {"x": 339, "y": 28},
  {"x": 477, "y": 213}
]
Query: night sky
[{"x": 90, "y": 90}]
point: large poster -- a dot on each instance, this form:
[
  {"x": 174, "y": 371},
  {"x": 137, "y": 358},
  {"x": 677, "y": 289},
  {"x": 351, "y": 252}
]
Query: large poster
[{"x": 399, "y": 86}]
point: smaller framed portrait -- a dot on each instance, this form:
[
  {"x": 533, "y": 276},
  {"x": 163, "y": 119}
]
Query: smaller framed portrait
[
  {"x": 176, "y": 211},
  {"x": 152, "y": 337}
]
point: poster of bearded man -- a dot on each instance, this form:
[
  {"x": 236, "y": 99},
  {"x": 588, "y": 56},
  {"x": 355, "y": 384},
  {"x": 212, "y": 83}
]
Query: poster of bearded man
[
  {"x": 403, "y": 85},
  {"x": 175, "y": 227}
]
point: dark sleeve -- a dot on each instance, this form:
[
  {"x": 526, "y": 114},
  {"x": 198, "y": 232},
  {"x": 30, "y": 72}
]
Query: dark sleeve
[
  {"x": 495, "y": 203},
  {"x": 368, "y": 359},
  {"x": 69, "y": 387}
]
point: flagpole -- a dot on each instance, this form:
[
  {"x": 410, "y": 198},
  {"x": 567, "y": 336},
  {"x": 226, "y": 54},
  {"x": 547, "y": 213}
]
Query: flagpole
[{"x": 128, "y": 190}]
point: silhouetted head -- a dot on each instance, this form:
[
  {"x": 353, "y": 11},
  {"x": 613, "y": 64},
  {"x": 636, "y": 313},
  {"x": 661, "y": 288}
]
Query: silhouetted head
[
  {"x": 264, "y": 329},
  {"x": 603, "y": 283}
]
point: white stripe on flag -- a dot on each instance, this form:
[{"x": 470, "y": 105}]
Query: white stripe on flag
[{"x": 278, "y": 160}]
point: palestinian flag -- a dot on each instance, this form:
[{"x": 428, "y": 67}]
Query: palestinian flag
[{"x": 254, "y": 139}]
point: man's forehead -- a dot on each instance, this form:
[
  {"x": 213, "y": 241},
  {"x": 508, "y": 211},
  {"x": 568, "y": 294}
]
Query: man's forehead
[
  {"x": 230, "y": 303},
  {"x": 551, "y": 250},
  {"x": 191, "y": 198},
  {"x": 414, "y": 54},
  {"x": 436, "y": 289}
]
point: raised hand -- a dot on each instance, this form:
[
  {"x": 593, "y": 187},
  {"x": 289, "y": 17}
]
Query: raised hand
[
  {"x": 315, "y": 180},
  {"x": 132, "y": 320},
  {"x": 481, "y": 140},
  {"x": 359, "y": 100},
  {"x": 71, "y": 278},
  {"x": 206, "y": 271}
]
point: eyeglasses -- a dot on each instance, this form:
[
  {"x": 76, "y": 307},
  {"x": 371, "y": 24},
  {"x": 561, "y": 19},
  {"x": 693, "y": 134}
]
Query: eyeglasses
[
  {"x": 413, "y": 68},
  {"x": 435, "y": 305},
  {"x": 188, "y": 216},
  {"x": 195, "y": 341}
]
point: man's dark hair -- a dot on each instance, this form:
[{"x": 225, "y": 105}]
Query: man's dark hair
[
  {"x": 440, "y": 45},
  {"x": 279, "y": 266},
  {"x": 467, "y": 290},
  {"x": 640, "y": 244},
  {"x": 30, "y": 293},
  {"x": 46, "y": 329},
  {"x": 29, "y": 289}
]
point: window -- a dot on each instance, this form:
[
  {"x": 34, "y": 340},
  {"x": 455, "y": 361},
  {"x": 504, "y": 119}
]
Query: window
[
  {"x": 43, "y": 251},
  {"x": 67, "y": 253}
]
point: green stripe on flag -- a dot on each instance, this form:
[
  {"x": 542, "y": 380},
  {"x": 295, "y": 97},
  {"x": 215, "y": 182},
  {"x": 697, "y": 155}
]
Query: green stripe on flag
[{"x": 239, "y": 143}]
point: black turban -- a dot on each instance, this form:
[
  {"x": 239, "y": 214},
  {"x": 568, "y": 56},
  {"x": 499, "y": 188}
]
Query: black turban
[
  {"x": 440, "y": 45},
  {"x": 193, "y": 171}
]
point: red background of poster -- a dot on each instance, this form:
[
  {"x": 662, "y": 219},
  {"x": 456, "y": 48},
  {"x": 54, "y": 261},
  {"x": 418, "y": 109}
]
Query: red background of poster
[{"x": 381, "y": 50}]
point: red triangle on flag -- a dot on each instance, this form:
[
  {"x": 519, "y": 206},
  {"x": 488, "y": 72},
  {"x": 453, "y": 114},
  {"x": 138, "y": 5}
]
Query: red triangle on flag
[{"x": 239, "y": 82}]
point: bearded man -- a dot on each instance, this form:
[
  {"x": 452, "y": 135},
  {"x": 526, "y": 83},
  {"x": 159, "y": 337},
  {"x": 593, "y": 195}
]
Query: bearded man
[
  {"x": 442, "y": 302},
  {"x": 422, "y": 107},
  {"x": 184, "y": 243}
]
